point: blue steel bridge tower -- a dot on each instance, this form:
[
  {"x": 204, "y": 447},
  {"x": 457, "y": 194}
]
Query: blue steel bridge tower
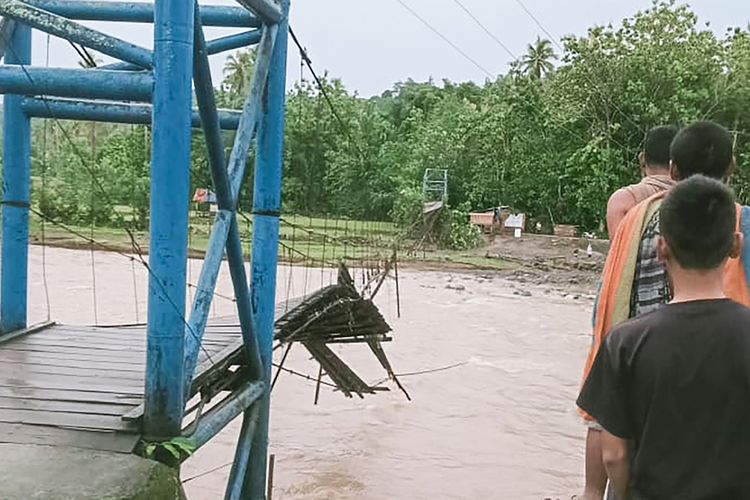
[{"x": 157, "y": 87}]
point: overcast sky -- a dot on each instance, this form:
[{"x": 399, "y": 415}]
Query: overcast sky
[{"x": 372, "y": 44}]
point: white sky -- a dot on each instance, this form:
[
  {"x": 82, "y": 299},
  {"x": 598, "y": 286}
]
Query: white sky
[{"x": 372, "y": 44}]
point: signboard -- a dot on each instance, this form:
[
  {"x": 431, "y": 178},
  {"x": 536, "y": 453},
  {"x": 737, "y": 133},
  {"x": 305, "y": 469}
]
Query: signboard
[{"x": 203, "y": 195}]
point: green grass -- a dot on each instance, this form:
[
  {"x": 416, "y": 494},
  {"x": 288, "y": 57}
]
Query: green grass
[{"x": 303, "y": 240}]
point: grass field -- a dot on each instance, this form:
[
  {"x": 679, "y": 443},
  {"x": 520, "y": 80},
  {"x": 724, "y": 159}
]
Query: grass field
[{"x": 304, "y": 240}]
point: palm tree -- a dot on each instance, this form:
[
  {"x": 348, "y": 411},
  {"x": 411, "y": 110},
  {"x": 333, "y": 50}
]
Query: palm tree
[
  {"x": 537, "y": 61},
  {"x": 238, "y": 73}
]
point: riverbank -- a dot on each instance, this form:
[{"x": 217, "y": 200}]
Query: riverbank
[{"x": 555, "y": 262}]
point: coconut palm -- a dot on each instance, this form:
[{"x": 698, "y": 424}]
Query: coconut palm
[
  {"x": 538, "y": 59},
  {"x": 238, "y": 73}
]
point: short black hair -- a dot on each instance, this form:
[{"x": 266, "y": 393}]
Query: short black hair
[
  {"x": 702, "y": 148},
  {"x": 656, "y": 145},
  {"x": 698, "y": 221}
]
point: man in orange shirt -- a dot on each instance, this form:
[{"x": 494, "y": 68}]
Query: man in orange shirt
[{"x": 654, "y": 160}]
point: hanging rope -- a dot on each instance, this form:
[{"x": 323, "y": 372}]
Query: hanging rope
[
  {"x": 290, "y": 267},
  {"x": 133, "y": 210},
  {"x": 43, "y": 202},
  {"x": 92, "y": 208},
  {"x": 190, "y": 260},
  {"x": 323, "y": 255}
]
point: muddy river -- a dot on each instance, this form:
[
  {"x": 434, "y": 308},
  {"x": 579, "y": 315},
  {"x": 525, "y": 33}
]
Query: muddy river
[{"x": 501, "y": 424}]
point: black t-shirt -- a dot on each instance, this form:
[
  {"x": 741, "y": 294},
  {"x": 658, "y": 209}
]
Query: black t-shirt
[{"x": 676, "y": 382}]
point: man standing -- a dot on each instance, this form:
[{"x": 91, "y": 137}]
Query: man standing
[
  {"x": 635, "y": 282},
  {"x": 671, "y": 388},
  {"x": 654, "y": 161}
]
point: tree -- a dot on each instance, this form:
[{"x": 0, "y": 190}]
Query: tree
[
  {"x": 238, "y": 73},
  {"x": 538, "y": 59}
]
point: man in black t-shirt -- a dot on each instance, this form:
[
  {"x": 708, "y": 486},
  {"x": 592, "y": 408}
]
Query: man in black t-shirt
[{"x": 676, "y": 382}]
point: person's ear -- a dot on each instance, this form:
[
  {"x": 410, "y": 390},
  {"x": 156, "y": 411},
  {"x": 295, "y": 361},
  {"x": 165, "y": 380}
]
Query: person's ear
[
  {"x": 642, "y": 163},
  {"x": 663, "y": 252},
  {"x": 674, "y": 172},
  {"x": 736, "y": 250}
]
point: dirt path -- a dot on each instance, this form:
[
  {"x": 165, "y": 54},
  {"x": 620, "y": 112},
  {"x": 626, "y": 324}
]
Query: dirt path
[{"x": 556, "y": 264}]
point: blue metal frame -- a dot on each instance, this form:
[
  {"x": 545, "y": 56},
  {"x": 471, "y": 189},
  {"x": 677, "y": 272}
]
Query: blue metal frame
[
  {"x": 16, "y": 190},
  {"x": 216, "y": 46},
  {"x": 61, "y": 27},
  {"x": 141, "y": 12},
  {"x": 267, "y": 209},
  {"x": 170, "y": 195},
  {"x": 163, "y": 81},
  {"x": 137, "y": 114},
  {"x": 114, "y": 85}
]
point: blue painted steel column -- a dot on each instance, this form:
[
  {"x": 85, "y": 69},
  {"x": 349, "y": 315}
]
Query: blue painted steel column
[
  {"x": 170, "y": 184},
  {"x": 16, "y": 194},
  {"x": 266, "y": 209}
]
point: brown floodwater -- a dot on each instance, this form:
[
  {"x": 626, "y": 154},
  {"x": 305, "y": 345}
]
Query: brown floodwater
[{"x": 500, "y": 425}]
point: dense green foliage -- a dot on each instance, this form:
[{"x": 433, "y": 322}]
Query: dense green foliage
[{"x": 550, "y": 139}]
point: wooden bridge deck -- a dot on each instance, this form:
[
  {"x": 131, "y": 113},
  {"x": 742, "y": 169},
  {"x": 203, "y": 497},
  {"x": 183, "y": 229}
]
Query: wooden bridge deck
[{"x": 76, "y": 386}]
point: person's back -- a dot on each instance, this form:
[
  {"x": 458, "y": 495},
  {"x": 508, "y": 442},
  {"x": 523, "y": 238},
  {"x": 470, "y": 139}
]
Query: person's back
[
  {"x": 676, "y": 382},
  {"x": 690, "y": 406},
  {"x": 702, "y": 148}
]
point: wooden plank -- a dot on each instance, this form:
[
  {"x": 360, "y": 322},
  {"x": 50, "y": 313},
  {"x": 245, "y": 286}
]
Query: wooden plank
[
  {"x": 71, "y": 395},
  {"x": 104, "y": 384},
  {"x": 64, "y": 406},
  {"x": 221, "y": 361},
  {"x": 9, "y": 369},
  {"x": 87, "y": 339},
  {"x": 133, "y": 391},
  {"x": 67, "y": 420},
  {"x": 44, "y": 356},
  {"x": 20, "y": 333},
  {"x": 99, "y": 332},
  {"x": 54, "y": 344},
  {"x": 112, "y": 368},
  {"x": 41, "y": 435},
  {"x": 93, "y": 354}
]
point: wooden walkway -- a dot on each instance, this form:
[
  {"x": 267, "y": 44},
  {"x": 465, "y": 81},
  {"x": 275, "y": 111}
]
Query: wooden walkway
[{"x": 81, "y": 386}]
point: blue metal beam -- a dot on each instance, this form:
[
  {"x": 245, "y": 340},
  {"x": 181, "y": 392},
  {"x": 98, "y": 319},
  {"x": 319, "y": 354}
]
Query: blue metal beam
[
  {"x": 16, "y": 196},
  {"x": 205, "y": 291},
  {"x": 138, "y": 114},
  {"x": 268, "y": 10},
  {"x": 115, "y": 85},
  {"x": 231, "y": 42},
  {"x": 242, "y": 454},
  {"x": 225, "y": 232},
  {"x": 220, "y": 416},
  {"x": 236, "y": 260},
  {"x": 252, "y": 109},
  {"x": 136, "y": 12},
  {"x": 267, "y": 208},
  {"x": 220, "y": 232},
  {"x": 63, "y": 28},
  {"x": 216, "y": 46},
  {"x": 204, "y": 93},
  {"x": 170, "y": 184}
]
